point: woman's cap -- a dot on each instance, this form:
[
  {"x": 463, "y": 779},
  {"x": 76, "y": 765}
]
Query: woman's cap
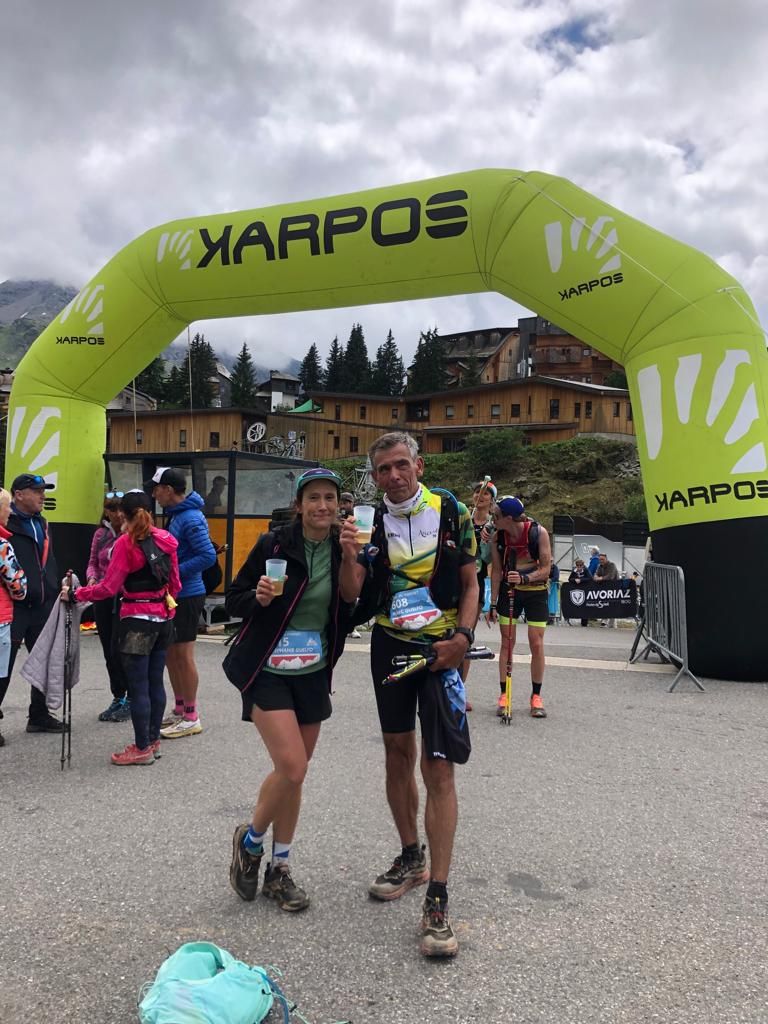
[{"x": 318, "y": 474}]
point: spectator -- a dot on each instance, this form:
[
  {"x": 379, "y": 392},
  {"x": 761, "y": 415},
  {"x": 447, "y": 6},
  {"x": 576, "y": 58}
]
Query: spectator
[
  {"x": 553, "y": 587},
  {"x": 580, "y": 575},
  {"x": 187, "y": 524},
  {"x": 606, "y": 572},
  {"x": 594, "y": 560},
  {"x": 104, "y": 611},
  {"x": 14, "y": 588},
  {"x": 346, "y": 505},
  {"x": 214, "y": 501},
  {"x": 34, "y": 552}
]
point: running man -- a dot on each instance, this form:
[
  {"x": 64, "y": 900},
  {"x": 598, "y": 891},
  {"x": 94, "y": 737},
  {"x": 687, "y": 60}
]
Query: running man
[
  {"x": 421, "y": 599},
  {"x": 522, "y": 556}
]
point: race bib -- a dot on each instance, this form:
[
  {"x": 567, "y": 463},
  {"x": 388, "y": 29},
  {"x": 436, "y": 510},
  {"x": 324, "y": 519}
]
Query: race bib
[
  {"x": 296, "y": 648},
  {"x": 413, "y": 610}
]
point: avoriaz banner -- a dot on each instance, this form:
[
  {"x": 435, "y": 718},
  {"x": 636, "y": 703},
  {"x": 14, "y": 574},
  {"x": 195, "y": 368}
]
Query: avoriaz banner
[{"x": 684, "y": 330}]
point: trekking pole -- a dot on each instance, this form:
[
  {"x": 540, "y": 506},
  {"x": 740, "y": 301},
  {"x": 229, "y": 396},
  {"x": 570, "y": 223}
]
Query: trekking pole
[
  {"x": 66, "y": 736},
  {"x": 506, "y": 718},
  {"x": 410, "y": 663}
]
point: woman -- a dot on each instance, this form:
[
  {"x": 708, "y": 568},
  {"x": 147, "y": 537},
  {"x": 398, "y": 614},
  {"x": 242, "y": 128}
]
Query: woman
[
  {"x": 144, "y": 571},
  {"x": 14, "y": 588},
  {"x": 281, "y": 661},
  {"x": 104, "y": 611},
  {"x": 483, "y": 497}
]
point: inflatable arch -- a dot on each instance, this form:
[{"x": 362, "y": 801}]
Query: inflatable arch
[{"x": 685, "y": 331}]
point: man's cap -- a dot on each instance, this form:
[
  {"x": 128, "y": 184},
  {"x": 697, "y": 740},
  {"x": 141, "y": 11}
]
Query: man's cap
[
  {"x": 347, "y": 496},
  {"x": 318, "y": 474},
  {"x": 167, "y": 475},
  {"x": 33, "y": 480},
  {"x": 510, "y": 507}
]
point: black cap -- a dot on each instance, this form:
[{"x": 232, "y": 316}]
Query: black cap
[
  {"x": 33, "y": 480},
  {"x": 168, "y": 475}
]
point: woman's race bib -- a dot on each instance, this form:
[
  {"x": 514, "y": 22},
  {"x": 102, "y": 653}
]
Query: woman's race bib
[
  {"x": 413, "y": 610},
  {"x": 296, "y": 648}
]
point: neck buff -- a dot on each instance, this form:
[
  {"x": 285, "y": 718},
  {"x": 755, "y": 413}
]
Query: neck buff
[{"x": 407, "y": 507}]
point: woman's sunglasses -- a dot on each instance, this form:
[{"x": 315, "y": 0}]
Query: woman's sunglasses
[{"x": 115, "y": 494}]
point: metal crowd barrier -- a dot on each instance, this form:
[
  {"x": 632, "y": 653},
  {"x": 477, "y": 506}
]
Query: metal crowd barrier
[{"x": 663, "y": 623}]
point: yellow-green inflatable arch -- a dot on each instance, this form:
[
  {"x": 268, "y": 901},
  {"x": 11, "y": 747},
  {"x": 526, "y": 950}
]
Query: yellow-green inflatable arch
[{"x": 684, "y": 330}]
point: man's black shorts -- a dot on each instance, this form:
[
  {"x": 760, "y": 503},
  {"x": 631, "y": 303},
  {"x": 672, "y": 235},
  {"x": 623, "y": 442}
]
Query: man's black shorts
[
  {"x": 397, "y": 702},
  {"x": 532, "y": 602},
  {"x": 306, "y": 695},
  {"x": 187, "y": 618}
]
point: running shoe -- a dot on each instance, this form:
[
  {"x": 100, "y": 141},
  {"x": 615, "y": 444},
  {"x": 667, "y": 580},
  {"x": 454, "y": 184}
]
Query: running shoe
[
  {"x": 279, "y": 886},
  {"x": 123, "y": 712},
  {"x": 501, "y": 705},
  {"x": 402, "y": 876},
  {"x": 107, "y": 713},
  {"x": 172, "y": 718},
  {"x": 155, "y": 744},
  {"x": 537, "y": 706},
  {"x": 244, "y": 869},
  {"x": 355, "y": 634},
  {"x": 132, "y": 755},
  {"x": 437, "y": 938},
  {"x": 184, "y": 727}
]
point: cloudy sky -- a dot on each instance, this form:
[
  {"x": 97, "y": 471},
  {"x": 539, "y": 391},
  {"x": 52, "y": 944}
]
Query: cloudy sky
[{"x": 121, "y": 116}]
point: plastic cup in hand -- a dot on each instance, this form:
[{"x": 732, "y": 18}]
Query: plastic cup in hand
[
  {"x": 276, "y": 570},
  {"x": 364, "y": 522}
]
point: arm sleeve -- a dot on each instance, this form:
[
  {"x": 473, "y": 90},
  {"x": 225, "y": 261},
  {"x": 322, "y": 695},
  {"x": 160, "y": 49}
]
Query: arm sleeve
[{"x": 13, "y": 575}]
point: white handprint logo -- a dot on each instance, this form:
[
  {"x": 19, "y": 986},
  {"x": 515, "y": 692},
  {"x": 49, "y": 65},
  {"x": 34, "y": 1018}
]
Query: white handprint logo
[
  {"x": 38, "y": 447},
  {"x": 583, "y": 237},
  {"x": 178, "y": 244},
  {"x": 90, "y": 304}
]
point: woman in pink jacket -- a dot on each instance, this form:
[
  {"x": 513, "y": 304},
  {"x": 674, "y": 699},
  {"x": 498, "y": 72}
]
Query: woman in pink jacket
[
  {"x": 13, "y": 588},
  {"x": 144, "y": 572}
]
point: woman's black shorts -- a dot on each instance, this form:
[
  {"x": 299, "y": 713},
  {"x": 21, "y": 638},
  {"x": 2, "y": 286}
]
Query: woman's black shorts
[{"x": 306, "y": 695}]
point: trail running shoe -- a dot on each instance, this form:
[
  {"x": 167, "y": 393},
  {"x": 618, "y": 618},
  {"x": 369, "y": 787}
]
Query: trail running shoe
[
  {"x": 132, "y": 755},
  {"x": 244, "y": 869},
  {"x": 171, "y": 719},
  {"x": 123, "y": 713},
  {"x": 402, "y": 876},
  {"x": 501, "y": 705},
  {"x": 537, "y": 706},
  {"x": 156, "y": 747},
  {"x": 437, "y": 938},
  {"x": 279, "y": 886},
  {"x": 107, "y": 713},
  {"x": 184, "y": 727}
]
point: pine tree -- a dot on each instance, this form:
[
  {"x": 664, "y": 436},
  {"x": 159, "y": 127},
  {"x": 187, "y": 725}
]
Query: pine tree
[
  {"x": 388, "y": 371},
  {"x": 427, "y": 371},
  {"x": 152, "y": 378},
  {"x": 334, "y": 367},
  {"x": 471, "y": 376},
  {"x": 311, "y": 372},
  {"x": 175, "y": 389},
  {"x": 204, "y": 373},
  {"x": 356, "y": 371},
  {"x": 244, "y": 383}
]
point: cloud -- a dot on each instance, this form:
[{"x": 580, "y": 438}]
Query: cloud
[{"x": 124, "y": 116}]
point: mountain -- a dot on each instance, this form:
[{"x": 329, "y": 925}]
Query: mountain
[{"x": 26, "y": 307}]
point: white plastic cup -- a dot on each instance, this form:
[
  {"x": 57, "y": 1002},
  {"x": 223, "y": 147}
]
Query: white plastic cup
[
  {"x": 276, "y": 570},
  {"x": 364, "y": 522}
]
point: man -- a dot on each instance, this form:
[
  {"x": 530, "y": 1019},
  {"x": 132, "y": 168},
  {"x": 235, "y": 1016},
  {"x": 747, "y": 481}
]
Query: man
[
  {"x": 522, "y": 555},
  {"x": 214, "y": 500},
  {"x": 606, "y": 572},
  {"x": 409, "y": 531},
  {"x": 187, "y": 524},
  {"x": 34, "y": 551},
  {"x": 346, "y": 505}
]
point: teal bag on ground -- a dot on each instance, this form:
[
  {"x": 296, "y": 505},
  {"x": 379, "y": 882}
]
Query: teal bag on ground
[{"x": 203, "y": 984}]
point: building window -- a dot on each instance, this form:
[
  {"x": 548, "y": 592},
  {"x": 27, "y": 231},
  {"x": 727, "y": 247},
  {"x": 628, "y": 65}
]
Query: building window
[
  {"x": 394, "y": 412},
  {"x": 588, "y": 379},
  {"x": 495, "y": 411},
  {"x": 139, "y": 436},
  {"x": 576, "y": 410},
  {"x": 449, "y": 412},
  {"x": 616, "y": 410},
  {"x": 629, "y": 411},
  {"x": 354, "y": 444},
  {"x": 182, "y": 439},
  {"x": 529, "y": 405},
  {"x": 362, "y": 412},
  {"x": 587, "y": 352},
  {"x": 554, "y": 408},
  {"x": 336, "y": 443},
  {"x": 453, "y": 444},
  {"x": 213, "y": 439},
  {"x": 337, "y": 412},
  {"x": 514, "y": 411},
  {"x": 417, "y": 411},
  {"x": 588, "y": 410},
  {"x": 470, "y": 411}
]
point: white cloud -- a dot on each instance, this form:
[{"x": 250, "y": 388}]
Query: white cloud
[{"x": 123, "y": 116}]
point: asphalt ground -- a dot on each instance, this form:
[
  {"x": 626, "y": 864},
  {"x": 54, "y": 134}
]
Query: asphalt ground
[{"x": 610, "y": 862}]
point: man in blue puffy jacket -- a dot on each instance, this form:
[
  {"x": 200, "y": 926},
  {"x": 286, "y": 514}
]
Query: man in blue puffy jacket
[{"x": 188, "y": 525}]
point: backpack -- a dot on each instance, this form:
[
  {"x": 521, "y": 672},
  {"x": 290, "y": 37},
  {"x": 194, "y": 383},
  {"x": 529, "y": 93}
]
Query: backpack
[
  {"x": 159, "y": 561},
  {"x": 212, "y": 577},
  {"x": 445, "y": 590}
]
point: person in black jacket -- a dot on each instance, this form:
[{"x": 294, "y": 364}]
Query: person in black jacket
[
  {"x": 34, "y": 550},
  {"x": 580, "y": 574},
  {"x": 282, "y": 661}
]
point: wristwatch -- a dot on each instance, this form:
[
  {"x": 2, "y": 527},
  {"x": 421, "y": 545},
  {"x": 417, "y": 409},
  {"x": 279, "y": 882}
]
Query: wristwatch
[{"x": 467, "y": 632}]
